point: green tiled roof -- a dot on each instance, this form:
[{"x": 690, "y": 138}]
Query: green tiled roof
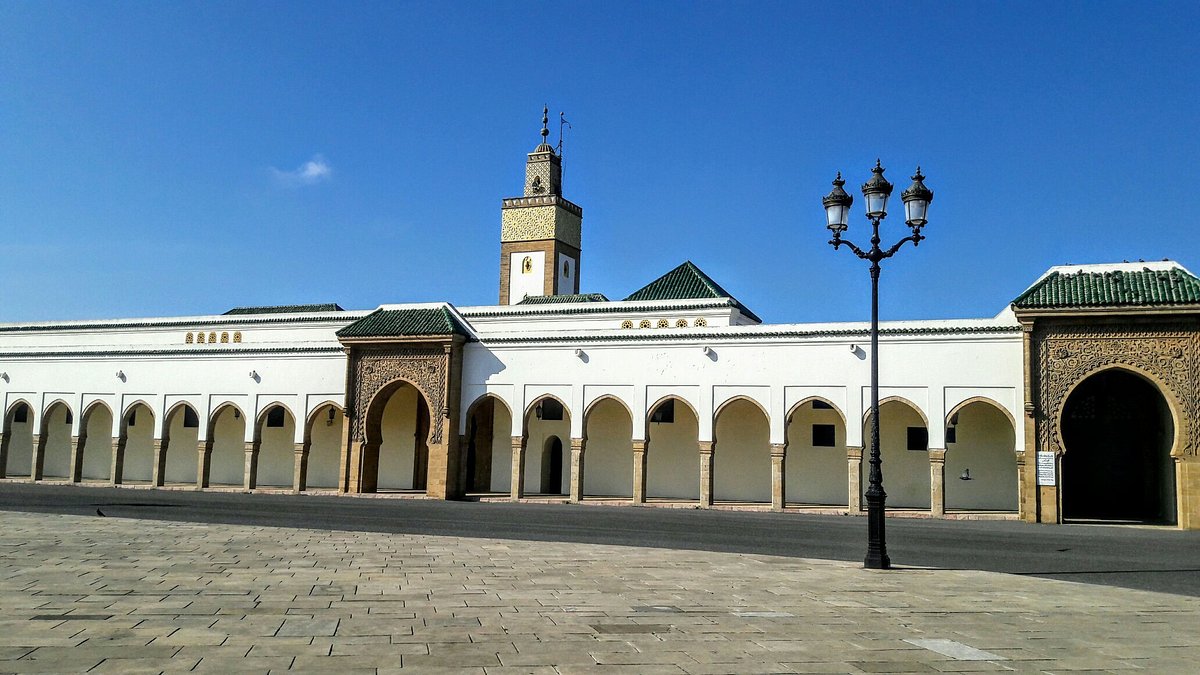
[
  {"x": 552, "y": 299},
  {"x": 1140, "y": 288},
  {"x": 686, "y": 282},
  {"x": 419, "y": 322},
  {"x": 287, "y": 309}
]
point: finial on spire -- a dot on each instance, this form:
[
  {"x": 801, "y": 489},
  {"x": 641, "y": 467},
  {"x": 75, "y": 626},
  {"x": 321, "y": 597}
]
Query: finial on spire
[{"x": 545, "y": 122}]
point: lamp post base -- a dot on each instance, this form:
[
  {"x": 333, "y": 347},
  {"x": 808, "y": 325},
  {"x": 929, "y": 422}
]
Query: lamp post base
[{"x": 877, "y": 557}]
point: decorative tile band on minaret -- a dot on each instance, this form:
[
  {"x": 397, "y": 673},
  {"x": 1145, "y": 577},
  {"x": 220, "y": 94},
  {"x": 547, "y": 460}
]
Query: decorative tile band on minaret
[{"x": 540, "y": 232}]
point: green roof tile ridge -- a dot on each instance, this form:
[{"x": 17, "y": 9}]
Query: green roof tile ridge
[
  {"x": 1111, "y": 288},
  {"x": 555, "y": 299},
  {"x": 287, "y": 309}
]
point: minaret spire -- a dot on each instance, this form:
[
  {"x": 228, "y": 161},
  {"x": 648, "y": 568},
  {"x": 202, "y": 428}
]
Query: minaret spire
[{"x": 545, "y": 123}]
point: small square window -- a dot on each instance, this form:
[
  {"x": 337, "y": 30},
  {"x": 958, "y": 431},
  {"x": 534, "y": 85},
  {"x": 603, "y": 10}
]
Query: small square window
[
  {"x": 951, "y": 435},
  {"x": 551, "y": 410},
  {"x": 824, "y": 436},
  {"x": 21, "y": 414},
  {"x": 190, "y": 420},
  {"x": 275, "y": 418},
  {"x": 818, "y": 404},
  {"x": 133, "y": 417},
  {"x": 918, "y": 438},
  {"x": 664, "y": 413}
]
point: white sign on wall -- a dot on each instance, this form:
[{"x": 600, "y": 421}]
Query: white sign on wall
[{"x": 1045, "y": 468}]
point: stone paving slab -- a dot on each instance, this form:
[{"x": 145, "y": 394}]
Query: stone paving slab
[{"x": 110, "y": 595}]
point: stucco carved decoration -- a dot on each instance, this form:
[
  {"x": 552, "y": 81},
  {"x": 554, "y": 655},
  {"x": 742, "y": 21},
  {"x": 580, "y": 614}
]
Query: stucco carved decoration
[
  {"x": 1067, "y": 355},
  {"x": 424, "y": 368}
]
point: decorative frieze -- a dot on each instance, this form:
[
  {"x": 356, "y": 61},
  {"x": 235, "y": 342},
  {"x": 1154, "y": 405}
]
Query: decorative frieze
[{"x": 424, "y": 368}]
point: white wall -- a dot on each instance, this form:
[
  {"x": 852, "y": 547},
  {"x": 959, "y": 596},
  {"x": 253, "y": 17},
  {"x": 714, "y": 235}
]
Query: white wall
[
  {"x": 522, "y": 283},
  {"x": 566, "y": 274},
  {"x": 20, "y": 447},
  {"x": 139, "y": 447},
  {"x": 501, "y": 450},
  {"x": 905, "y": 472},
  {"x": 182, "y": 450},
  {"x": 97, "y": 451},
  {"x": 325, "y": 452},
  {"x": 742, "y": 459},
  {"x": 277, "y": 453},
  {"x": 228, "y": 460},
  {"x": 816, "y": 475},
  {"x": 985, "y": 444},
  {"x": 673, "y": 457},
  {"x": 56, "y": 462},
  {"x": 608, "y": 457}
]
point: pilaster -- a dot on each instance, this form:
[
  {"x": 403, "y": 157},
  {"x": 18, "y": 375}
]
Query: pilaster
[
  {"x": 577, "y": 447},
  {"x": 854, "y": 457},
  {"x": 250, "y": 472},
  {"x": 158, "y": 470},
  {"x": 706, "y": 473},
  {"x": 78, "y": 446},
  {"x": 300, "y": 470},
  {"x": 518, "y": 468},
  {"x": 117, "y": 470},
  {"x": 778, "y": 476},
  {"x": 937, "y": 482},
  {"x": 39, "y": 456},
  {"x": 639, "y": 471},
  {"x": 4, "y": 455},
  {"x": 203, "y": 463}
]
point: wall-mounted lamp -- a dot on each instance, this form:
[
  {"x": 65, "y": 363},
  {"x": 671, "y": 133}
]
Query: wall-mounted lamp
[
  {"x": 254, "y": 374},
  {"x": 237, "y": 414},
  {"x": 4, "y": 376},
  {"x": 579, "y": 353},
  {"x": 330, "y": 416},
  {"x": 966, "y": 475},
  {"x": 120, "y": 375},
  {"x": 537, "y": 411},
  {"x": 707, "y": 350},
  {"x": 853, "y": 349}
]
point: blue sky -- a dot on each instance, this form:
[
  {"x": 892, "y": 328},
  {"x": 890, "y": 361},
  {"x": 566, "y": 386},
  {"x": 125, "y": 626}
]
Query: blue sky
[{"x": 185, "y": 158}]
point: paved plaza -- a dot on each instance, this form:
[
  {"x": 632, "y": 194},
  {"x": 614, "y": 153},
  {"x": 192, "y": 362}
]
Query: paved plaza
[{"x": 107, "y": 595}]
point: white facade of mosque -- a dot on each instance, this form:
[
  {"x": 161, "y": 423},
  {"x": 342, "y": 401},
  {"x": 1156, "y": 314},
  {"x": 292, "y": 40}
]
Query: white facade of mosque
[{"x": 677, "y": 395}]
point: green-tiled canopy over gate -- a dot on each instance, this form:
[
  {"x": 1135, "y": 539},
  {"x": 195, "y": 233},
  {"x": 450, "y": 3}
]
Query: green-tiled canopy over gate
[{"x": 1139, "y": 288}]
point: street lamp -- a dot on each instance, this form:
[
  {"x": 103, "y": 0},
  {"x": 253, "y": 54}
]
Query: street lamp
[{"x": 837, "y": 211}]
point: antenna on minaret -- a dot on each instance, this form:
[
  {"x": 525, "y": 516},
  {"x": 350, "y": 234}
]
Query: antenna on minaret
[
  {"x": 545, "y": 122},
  {"x": 562, "y": 121}
]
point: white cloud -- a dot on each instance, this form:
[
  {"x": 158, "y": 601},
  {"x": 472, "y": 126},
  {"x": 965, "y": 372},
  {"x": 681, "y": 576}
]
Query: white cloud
[{"x": 311, "y": 172}]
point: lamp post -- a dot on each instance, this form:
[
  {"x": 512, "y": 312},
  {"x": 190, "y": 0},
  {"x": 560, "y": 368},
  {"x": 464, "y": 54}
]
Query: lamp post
[{"x": 837, "y": 210}]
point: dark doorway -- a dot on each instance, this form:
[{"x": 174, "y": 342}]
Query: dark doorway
[
  {"x": 1117, "y": 435},
  {"x": 478, "y": 468},
  {"x": 552, "y": 462}
]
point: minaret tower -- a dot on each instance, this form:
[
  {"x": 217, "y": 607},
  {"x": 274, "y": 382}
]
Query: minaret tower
[{"x": 540, "y": 232}]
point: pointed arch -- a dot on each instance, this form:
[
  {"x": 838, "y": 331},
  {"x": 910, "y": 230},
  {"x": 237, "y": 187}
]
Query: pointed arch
[
  {"x": 986, "y": 401},
  {"x": 487, "y": 446},
  {"x": 816, "y": 470},
  {"x": 741, "y": 458},
  {"x": 734, "y": 399},
  {"x": 323, "y": 438},
  {"x": 608, "y": 469},
  {"x": 16, "y": 450},
  {"x": 663, "y": 399},
  {"x": 226, "y": 451},
  {"x": 12, "y": 410},
  {"x": 591, "y": 407},
  {"x": 1173, "y": 407},
  {"x": 87, "y": 414},
  {"x": 261, "y": 420},
  {"x": 167, "y": 419},
  {"x": 396, "y": 466},
  {"x": 791, "y": 413},
  {"x": 45, "y": 416},
  {"x": 530, "y": 409},
  {"x": 896, "y": 399},
  {"x": 132, "y": 407},
  {"x": 314, "y": 416}
]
